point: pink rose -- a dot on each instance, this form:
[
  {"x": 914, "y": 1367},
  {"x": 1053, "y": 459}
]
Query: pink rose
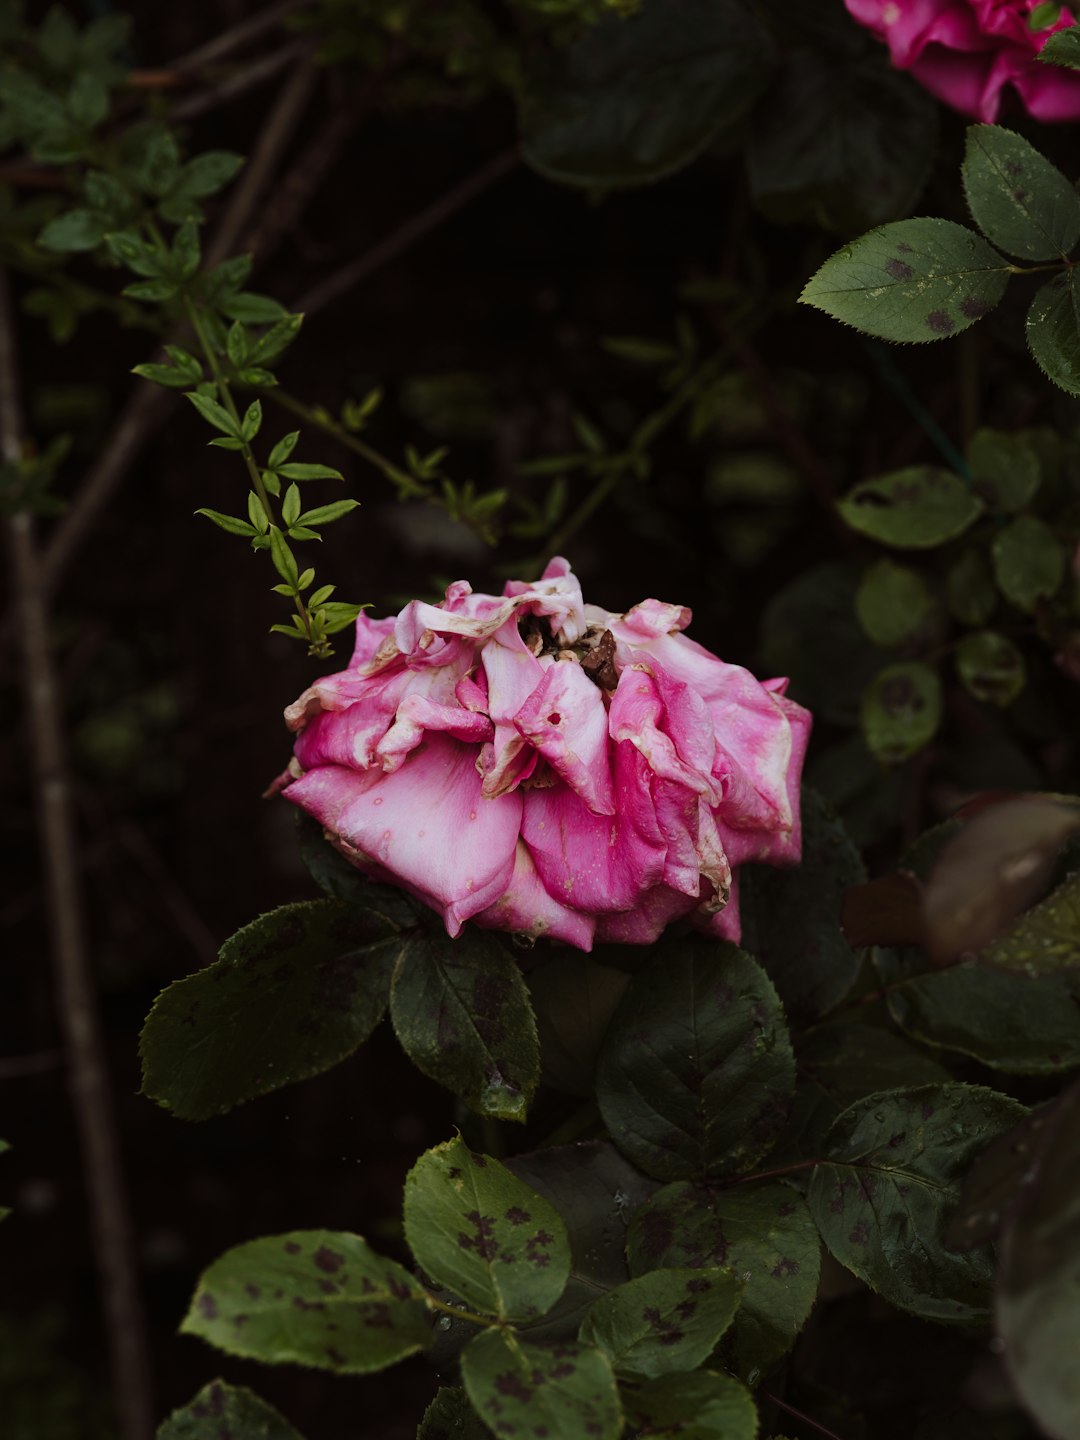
[
  {"x": 967, "y": 51},
  {"x": 543, "y": 766}
]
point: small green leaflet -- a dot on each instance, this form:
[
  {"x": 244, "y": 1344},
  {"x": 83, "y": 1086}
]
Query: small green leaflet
[
  {"x": 917, "y": 508},
  {"x": 664, "y": 1321},
  {"x": 482, "y": 1233},
  {"x": 900, "y": 711},
  {"x": 563, "y": 1388},
  {"x": 991, "y": 667},
  {"x": 1029, "y": 562},
  {"x": 915, "y": 280},
  {"x": 312, "y": 1297},
  {"x": 1017, "y": 198},
  {"x": 893, "y": 603}
]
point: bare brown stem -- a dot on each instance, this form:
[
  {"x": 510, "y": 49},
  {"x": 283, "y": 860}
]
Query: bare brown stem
[
  {"x": 405, "y": 236},
  {"x": 18, "y": 1067},
  {"x": 237, "y": 37},
  {"x": 799, "y": 1415},
  {"x": 114, "y": 1250},
  {"x": 254, "y": 73}
]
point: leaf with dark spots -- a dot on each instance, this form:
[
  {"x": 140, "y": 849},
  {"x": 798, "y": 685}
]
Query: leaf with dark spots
[
  {"x": 702, "y": 1406},
  {"x": 917, "y": 508},
  {"x": 461, "y": 1010},
  {"x": 762, "y": 1233},
  {"x": 519, "y": 1388},
  {"x": 457, "y": 1227},
  {"x": 883, "y": 1210},
  {"x": 220, "y": 1410},
  {"x": 696, "y": 1073},
  {"x": 1038, "y": 220},
  {"x": 294, "y": 993},
  {"x": 665, "y": 1321},
  {"x": 376, "y": 1315},
  {"x": 791, "y": 917}
]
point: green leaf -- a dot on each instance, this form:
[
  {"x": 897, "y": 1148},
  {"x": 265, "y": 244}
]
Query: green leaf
[
  {"x": 1045, "y": 940},
  {"x": 1038, "y": 1309},
  {"x": 296, "y": 471},
  {"x": 312, "y": 1297},
  {"x": 75, "y": 230},
  {"x": 283, "y": 449},
  {"x": 249, "y": 426},
  {"x": 844, "y": 142},
  {"x": 276, "y": 340},
  {"x": 696, "y": 1072},
  {"x": 991, "y": 667},
  {"x": 208, "y": 173},
  {"x": 1006, "y": 467},
  {"x": 969, "y": 588},
  {"x": 566, "y": 1390},
  {"x": 294, "y": 993},
  {"x": 639, "y": 96},
  {"x": 88, "y": 100},
  {"x": 334, "y": 875},
  {"x": 994, "y": 1187},
  {"x": 915, "y": 280},
  {"x": 257, "y": 513},
  {"x": 901, "y": 711},
  {"x": 1007, "y": 1021},
  {"x": 839, "y": 1063},
  {"x": 290, "y": 506},
  {"x": 338, "y": 615},
  {"x": 236, "y": 345},
  {"x": 573, "y": 998},
  {"x": 668, "y": 1320},
  {"x": 1063, "y": 49},
  {"x": 230, "y": 523},
  {"x": 283, "y": 558},
  {"x": 914, "y": 509},
  {"x": 324, "y": 514},
  {"x": 1017, "y": 198},
  {"x": 791, "y": 918},
  {"x": 883, "y": 1196},
  {"x": 220, "y": 1408},
  {"x": 185, "y": 363},
  {"x": 152, "y": 291},
  {"x": 252, "y": 309},
  {"x": 1029, "y": 562},
  {"x": 131, "y": 250},
  {"x": 214, "y": 414},
  {"x": 763, "y": 1233},
  {"x": 451, "y": 1417},
  {"x": 482, "y": 1233},
  {"x": 894, "y": 605},
  {"x": 461, "y": 1011},
  {"x": 703, "y": 1406},
  {"x": 1053, "y": 331}
]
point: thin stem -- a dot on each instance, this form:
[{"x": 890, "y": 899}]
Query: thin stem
[
  {"x": 315, "y": 415},
  {"x": 17, "y": 1067},
  {"x": 247, "y": 76},
  {"x": 780, "y": 1170},
  {"x": 799, "y": 1415},
  {"x": 241, "y": 34},
  {"x": 114, "y": 1249},
  {"x": 469, "y": 1315}
]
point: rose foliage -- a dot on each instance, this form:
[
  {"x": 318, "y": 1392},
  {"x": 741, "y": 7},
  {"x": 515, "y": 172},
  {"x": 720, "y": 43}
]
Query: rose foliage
[{"x": 548, "y": 767}]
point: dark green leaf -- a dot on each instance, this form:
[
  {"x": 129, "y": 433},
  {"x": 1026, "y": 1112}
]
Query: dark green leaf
[
  {"x": 1063, "y": 49},
  {"x": 1006, "y": 467},
  {"x": 883, "y": 1197},
  {"x": 639, "y": 96},
  {"x": 208, "y": 173},
  {"x": 763, "y": 1233},
  {"x": 574, "y": 999},
  {"x": 1017, "y": 198},
  {"x": 283, "y": 558},
  {"x": 214, "y": 414},
  {"x": 667, "y": 1320},
  {"x": 696, "y": 1073},
  {"x": 334, "y": 874},
  {"x": 566, "y": 1390},
  {"x": 1053, "y": 331},
  {"x": 252, "y": 309},
  {"x": 249, "y": 425},
  {"x": 313, "y": 1297},
  {"x": 1009, "y": 1022},
  {"x": 914, "y": 509},
  {"x": 1029, "y": 561},
  {"x": 293, "y": 993},
  {"x": 969, "y": 588},
  {"x": 219, "y": 1409},
  {"x": 153, "y": 291},
  {"x": 478, "y": 1230},
  {"x": 276, "y": 340},
  {"x": 1046, "y": 940},
  {"x": 283, "y": 449},
  {"x": 72, "y": 231},
  {"x": 915, "y": 280},
  {"x": 451, "y": 1417},
  {"x": 461, "y": 1011},
  {"x": 844, "y": 141},
  {"x": 991, "y": 667},
  {"x": 894, "y": 604},
  {"x": 901, "y": 711},
  {"x": 703, "y": 1406},
  {"x": 131, "y": 250},
  {"x": 996, "y": 1184},
  {"x": 1038, "y": 1310},
  {"x": 791, "y": 918},
  {"x": 296, "y": 471},
  {"x": 88, "y": 100}
]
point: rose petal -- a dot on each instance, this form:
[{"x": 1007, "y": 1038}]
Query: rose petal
[
  {"x": 565, "y": 719},
  {"x": 526, "y": 908}
]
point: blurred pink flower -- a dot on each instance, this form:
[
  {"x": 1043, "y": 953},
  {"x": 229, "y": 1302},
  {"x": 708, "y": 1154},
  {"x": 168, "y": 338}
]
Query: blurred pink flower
[
  {"x": 546, "y": 767},
  {"x": 966, "y": 52}
]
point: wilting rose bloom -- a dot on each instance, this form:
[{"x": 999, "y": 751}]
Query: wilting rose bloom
[
  {"x": 967, "y": 52},
  {"x": 542, "y": 766}
]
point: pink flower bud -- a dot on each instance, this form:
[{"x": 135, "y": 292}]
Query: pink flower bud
[{"x": 550, "y": 768}]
